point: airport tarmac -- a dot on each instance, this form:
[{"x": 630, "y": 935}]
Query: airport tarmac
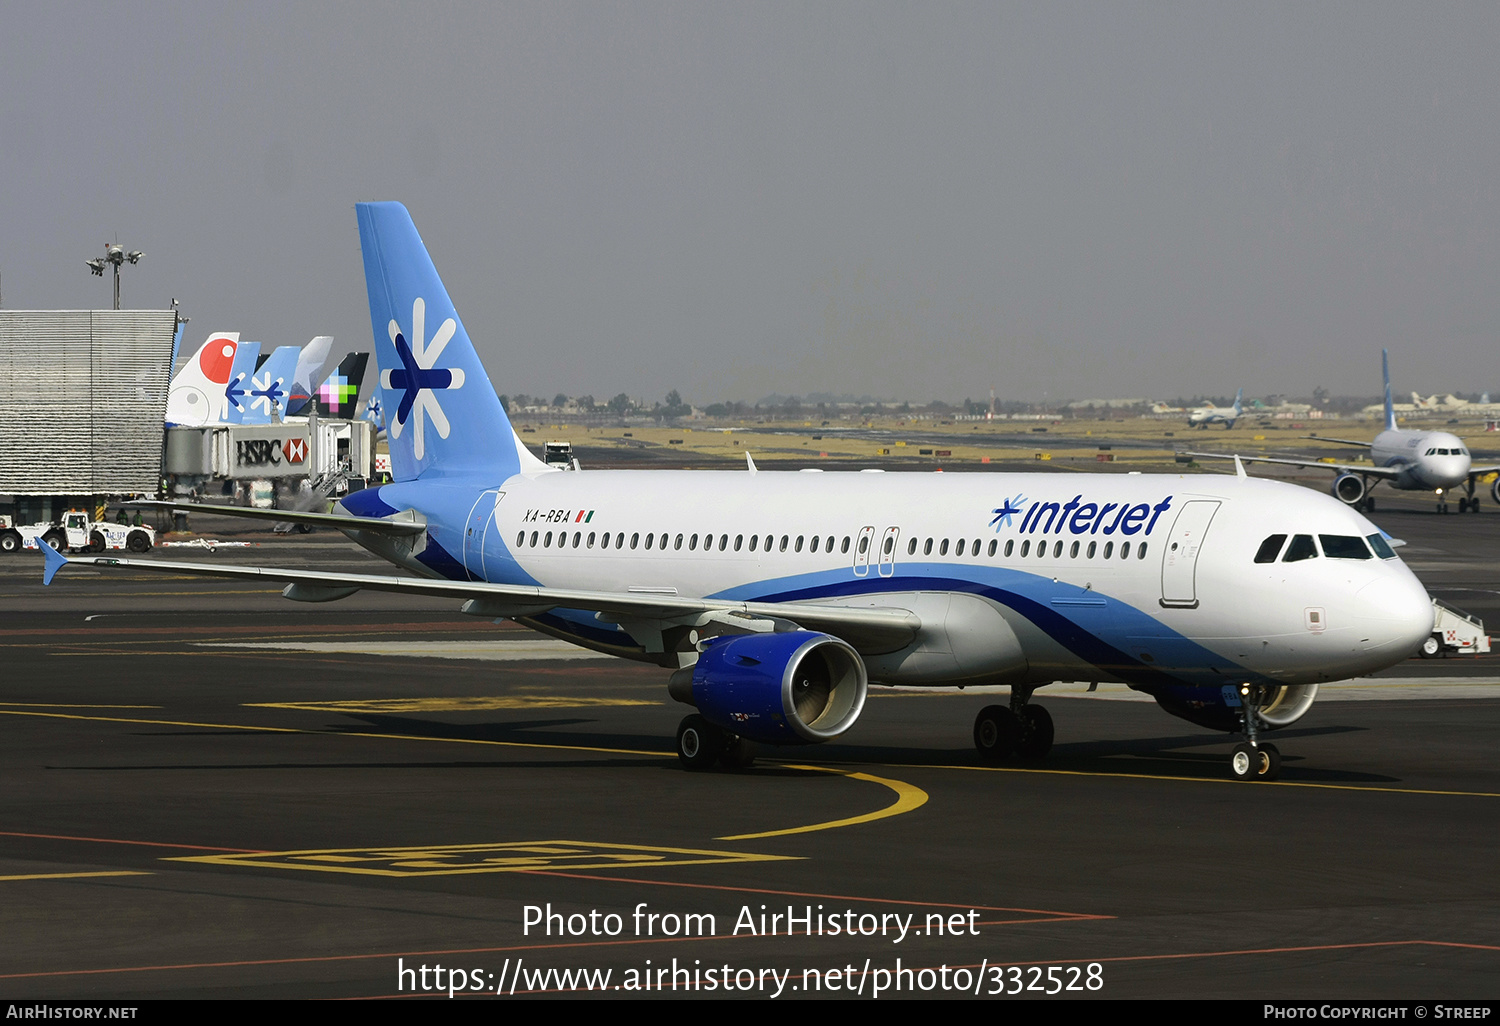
[{"x": 212, "y": 792}]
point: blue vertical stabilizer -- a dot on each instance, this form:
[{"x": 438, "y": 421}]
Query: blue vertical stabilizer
[
  {"x": 442, "y": 414},
  {"x": 237, "y": 391},
  {"x": 271, "y": 385},
  {"x": 1390, "y": 407}
]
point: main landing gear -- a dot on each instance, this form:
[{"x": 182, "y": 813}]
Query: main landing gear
[
  {"x": 1020, "y": 729},
  {"x": 700, "y": 744},
  {"x": 1252, "y": 758},
  {"x": 1466, "y": 503}
]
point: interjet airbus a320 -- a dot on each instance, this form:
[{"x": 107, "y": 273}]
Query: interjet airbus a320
[{"x": 776, "y": 599}]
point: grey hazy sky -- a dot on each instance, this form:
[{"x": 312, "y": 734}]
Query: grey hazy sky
[{"x": 925, "y": 200}]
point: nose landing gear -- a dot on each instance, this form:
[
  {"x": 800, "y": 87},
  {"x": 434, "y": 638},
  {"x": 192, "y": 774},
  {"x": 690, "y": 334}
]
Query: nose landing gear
[{"x": 1252, "y": 758}]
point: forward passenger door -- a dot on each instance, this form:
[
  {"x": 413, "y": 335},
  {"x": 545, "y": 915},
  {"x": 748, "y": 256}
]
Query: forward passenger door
[{"x": 1179, "y": 558}]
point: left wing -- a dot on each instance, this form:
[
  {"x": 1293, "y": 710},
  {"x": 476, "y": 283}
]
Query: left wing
[
  {"x": 406, "y": 522},
  {"x": 870, "y": 629}
]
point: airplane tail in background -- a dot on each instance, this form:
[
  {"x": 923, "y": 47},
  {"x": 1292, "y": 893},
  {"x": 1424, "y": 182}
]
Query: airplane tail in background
[
  {"x": 309, "y": 362},
  {"x": 442, "y": 414},
  {"x": 1238, "y": 396},
  {"x": 196, "y": 394},
  {"x": 237, "y": 389},
  {"x": 1390, "y": 407},
  {"x": 338, "y": 395},
  {"x": 271, "y": 385}
]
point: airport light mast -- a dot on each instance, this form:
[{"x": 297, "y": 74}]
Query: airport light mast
[{"x": 114, "y": 254}]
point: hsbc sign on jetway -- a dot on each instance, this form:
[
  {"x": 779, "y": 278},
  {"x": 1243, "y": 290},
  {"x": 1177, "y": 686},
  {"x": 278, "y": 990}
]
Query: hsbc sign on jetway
[{"x": 270, "y": 450}]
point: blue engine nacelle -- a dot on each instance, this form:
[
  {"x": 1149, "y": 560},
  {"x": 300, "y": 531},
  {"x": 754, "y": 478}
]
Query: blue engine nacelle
[
  {"x": 1219, "y": 708},
  {"x": 790, "y": 688}
]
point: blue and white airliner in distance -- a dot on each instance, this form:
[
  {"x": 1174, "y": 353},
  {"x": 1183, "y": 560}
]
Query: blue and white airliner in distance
[
  {"x": 774, "y": 599},
  {"x": 1407, "y": 459}
]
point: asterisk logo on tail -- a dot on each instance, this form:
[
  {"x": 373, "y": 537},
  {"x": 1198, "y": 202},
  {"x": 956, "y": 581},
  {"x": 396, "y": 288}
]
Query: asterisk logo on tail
[
  {"x": 418, "y": 379},
  {"x": 1003, "y": 513},
  {"x": 267, "y": 392}
]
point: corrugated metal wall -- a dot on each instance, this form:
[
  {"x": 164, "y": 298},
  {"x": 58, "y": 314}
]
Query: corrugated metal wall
[{"x": 83, "y": 397}]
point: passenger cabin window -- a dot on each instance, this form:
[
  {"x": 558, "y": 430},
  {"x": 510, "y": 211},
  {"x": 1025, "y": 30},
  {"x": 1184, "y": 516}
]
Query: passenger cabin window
[
  {"x": 1270, "y": 549},
  {"x": 1343, "y": 546},
  {"x": 1010, "y": 543},
  {"x": 994, "y": 544},
  {"x": 845, "y": 547},
  {"x": 943, "y": 548},
  {"x": 1381, "y": 547},
  {"x": 1301, "y": 548}
]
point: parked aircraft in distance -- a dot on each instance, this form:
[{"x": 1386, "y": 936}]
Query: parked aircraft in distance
[
  {"x": 309, "y": 362},
  {"x": 228, "y": 382},
  {"x": 775, "y": 599},
  {"x": 338, "y": 395},
  {"x": 1406, "y": 459},
  {"x": 1203, "y": 416}
]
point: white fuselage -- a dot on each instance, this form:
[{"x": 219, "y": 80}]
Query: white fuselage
[
  {"x": 1428, "y": 460},
  {"x": 1016, "y": 578}
]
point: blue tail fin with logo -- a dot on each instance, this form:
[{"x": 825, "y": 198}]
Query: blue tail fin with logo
[
  {"x": 271, "y": 386},
  {"x": 442, "y": 414},
  {"x": 237, "y": 391},
  {"x": 1390, "y": 407}
]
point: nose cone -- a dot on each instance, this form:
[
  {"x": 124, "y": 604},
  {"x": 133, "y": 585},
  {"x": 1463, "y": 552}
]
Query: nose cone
[
  {"x": 1396, "y": 612},
  {"x": 1452, "y": 468}
]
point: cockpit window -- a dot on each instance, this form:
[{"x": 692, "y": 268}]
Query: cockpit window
[
  {"x": 1381, "y": 546},
  {"x": 1344, "y": 546},
  {"x": 1302, "y": 547},
  {"x": 1270, "y": 549}
]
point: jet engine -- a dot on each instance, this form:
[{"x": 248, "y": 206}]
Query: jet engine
[
  {"x": 1495, "y": 490},
  {"x": 789, "y": 688},
  {"x": 1349, "y": 488},
  {"x": 1219, "y": 708}
]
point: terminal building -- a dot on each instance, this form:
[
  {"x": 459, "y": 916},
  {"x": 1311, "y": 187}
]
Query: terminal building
[{"x": 83, "y": 397}]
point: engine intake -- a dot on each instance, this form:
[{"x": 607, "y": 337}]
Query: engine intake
[
  {"x": 795, "y": 687},
  {"x": 1349, "y": 488},
  {"x": 1218, "y": 708}
]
